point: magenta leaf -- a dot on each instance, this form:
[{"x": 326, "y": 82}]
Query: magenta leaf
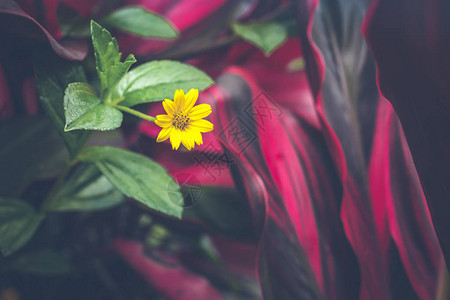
[
  {"x": 337, "y": 60},
  {"x": 410, "y": 42},
  {"x": 393, "y": 178},
  {"x": 341, "y": 73},
  {"x": 171, "y": 280},
  {"x": 289, "y": 178}
]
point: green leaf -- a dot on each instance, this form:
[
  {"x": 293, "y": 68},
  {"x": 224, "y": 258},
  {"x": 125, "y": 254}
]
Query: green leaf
[
  {"x": 107, "y": 58},
  {"x": 266, "y": 36},
  {"x": 141, "y": 22},
  {"x": 32, "y": 149},
  {"x": 86, "y": 189},
  {"x": 113, "y": 74},
  {"x": 157, "y": 80},
  {"x": 106, "y": 49},
  {"x": 136, "y": 176},
  {"x": 18, "y": 222},
  {"x": 53, "y": 74},
  {"x": 83, "y": 110},
  {"x": 45, "y": 262}
]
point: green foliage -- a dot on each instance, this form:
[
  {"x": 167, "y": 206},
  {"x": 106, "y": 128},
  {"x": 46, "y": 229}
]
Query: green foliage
[
  {"x": 157, "y": 80},
  {"x": 113, "y": 74},
  {"x": 123, "y": 172},
  {"x": 53, "y": 74},
  {"x": 106, "y": 49},
  {"x": 35, "y": 151},
  {"x": 84, "y": 110},
  {"x": 82, "y": 196},
  {"x": 141, "y": 22},
  {"x": 266, "y": 36},
  {"x": 32, "y": 150},
  {"x": 107, "y": 57},
  {"x": 136, "y": 176},
  {"x": 86, "y": 189},
  {"x": 157, "y": 236},
  {"x": 43, "y": 262},
  {"x": 152, "y": 81},
  {"x": 18, "y": 222}
]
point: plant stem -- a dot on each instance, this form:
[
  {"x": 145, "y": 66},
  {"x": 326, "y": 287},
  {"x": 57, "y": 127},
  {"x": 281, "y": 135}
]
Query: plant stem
[
  {"x": 116, "y": 101},
  {"x": 135, "y": 113},
  {"x": 56, "y": 186}
]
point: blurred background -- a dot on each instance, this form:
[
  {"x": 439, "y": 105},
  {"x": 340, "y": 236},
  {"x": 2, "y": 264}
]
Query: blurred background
[{"x": 325, "y": 177}]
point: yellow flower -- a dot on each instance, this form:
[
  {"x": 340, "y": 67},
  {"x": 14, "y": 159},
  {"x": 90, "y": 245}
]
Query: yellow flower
[{"x": 184, "y": 122}]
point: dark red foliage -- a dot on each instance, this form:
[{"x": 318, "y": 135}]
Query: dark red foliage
[
  {"x": 169, "y": 278},
  {"x": 400, "y": 207},
  {"x": 411, "y": 44},
  {"x": 27, "y": 27}
]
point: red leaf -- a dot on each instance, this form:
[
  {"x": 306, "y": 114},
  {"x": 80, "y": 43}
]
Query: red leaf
[
  {"x": 401, "y": 204},
  {"x": 172, "y": 281},
  {"x": 293, "y": 189},
  {"x": 25, "y": 26},
  {"x": 338, "y": 117},
  {"x": 410, "y": 42}
]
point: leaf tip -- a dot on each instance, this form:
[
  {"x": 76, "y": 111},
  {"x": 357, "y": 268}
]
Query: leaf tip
[
  {"x": 67, "y": 128},
  {"x": 94, "y": 25}
]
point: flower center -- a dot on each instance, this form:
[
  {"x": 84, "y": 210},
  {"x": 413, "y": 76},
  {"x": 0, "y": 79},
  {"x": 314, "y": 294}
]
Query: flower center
[{"x": 181, "y": 120}]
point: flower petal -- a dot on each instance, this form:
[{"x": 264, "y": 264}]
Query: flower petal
[
  {"x": 202, "y": 125},
  {"x": 191, "y": 141},
  {"x": 197, "y": 136},
  {"x": 187, "y": 140},
  {"x": 164, "y": 134},
  {"x": 190, "y": 99},
  {"x": 163, "y": 120},
  {"x": 163, "y": 124},
  {"x": 200, "y": 111},
  {"x": 169, "y": 106},
  {"x": 175, "y": 138},
  {"x": 179, "y": 99}
]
